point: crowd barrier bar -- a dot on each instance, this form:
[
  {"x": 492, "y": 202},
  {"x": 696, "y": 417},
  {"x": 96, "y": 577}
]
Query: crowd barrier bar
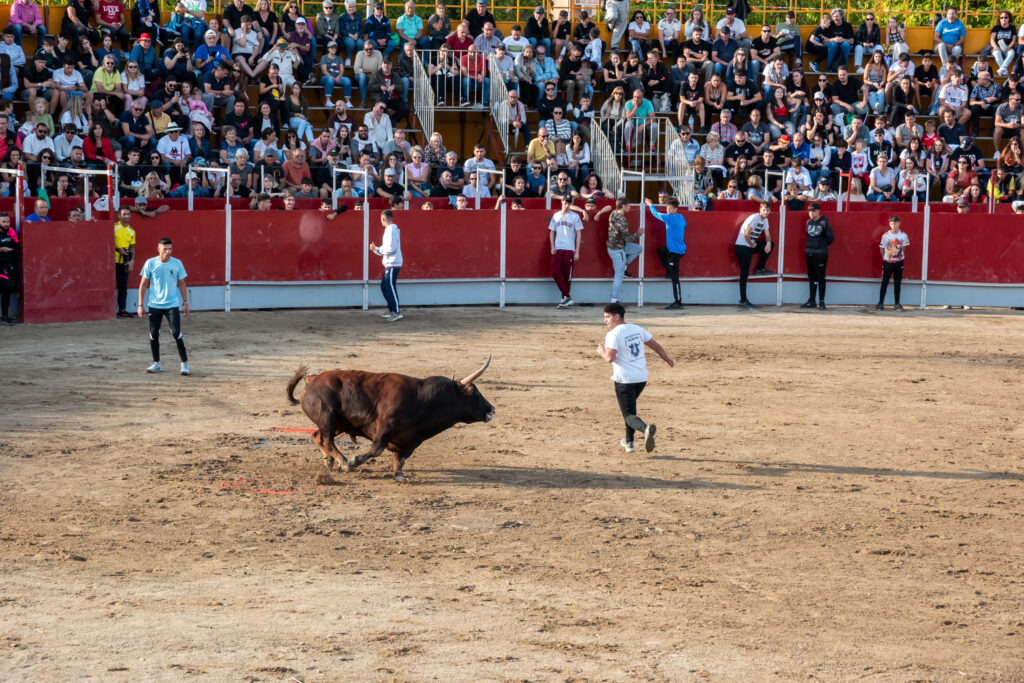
[
  {"x": 19, "y": 196},
  {"x": 641, "y": 177},
  {"x": 479, "y": 179},
  {"x": 85, "y": 173},
  {"x": 227, "y": 227}
]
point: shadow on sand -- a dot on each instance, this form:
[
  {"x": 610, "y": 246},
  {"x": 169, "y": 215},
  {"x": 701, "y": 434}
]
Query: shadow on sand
[{"x": 553, "y": 478}]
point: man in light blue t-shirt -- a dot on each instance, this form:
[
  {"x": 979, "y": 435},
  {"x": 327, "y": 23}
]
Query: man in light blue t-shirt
[
  {"x": 949, "y": 37},
  {"x": 164, "y": 277}
]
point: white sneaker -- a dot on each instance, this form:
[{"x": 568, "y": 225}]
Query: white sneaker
[
  {"x": 185, "y": 370},
  {"x": 562, "y": 304},
  {"x": 348, "y": 62},
  {"x": 569, "y": 302},
  {"x": 860, "y": 70},
  {"x": 329, "y": 104},
  {"x": 1001, "y": 71},
  {"x": 155, "y": 367},
  {"x": 628, "y": 445},
  {"x": 348, "y": 103},
  {"x": 386, "y": 314},
  {"x": 394, "y": 316}
]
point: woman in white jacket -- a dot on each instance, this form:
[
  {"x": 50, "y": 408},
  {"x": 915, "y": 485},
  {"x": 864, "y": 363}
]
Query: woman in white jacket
[{"x": 390, "y": 252}]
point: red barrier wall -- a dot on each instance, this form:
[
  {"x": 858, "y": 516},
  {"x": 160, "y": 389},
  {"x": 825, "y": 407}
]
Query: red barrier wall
[
  {"x": 976, "y": 248},
  {"x": 295, "y": 246},
  {"x": 198, "y": 241},
  {"x": 68, "y": 272},
  {"x": 854, "y": 253},
  {"x": 442, "y": 244}
]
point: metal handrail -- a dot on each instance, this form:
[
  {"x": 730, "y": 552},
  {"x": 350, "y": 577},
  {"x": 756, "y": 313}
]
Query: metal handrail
[
  {"x": 499, "y": 98},
  {"x": 603, "y": 156},
  {"x": 423, "y": 97}
]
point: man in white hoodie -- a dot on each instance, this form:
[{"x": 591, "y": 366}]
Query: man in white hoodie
[{"x": 390, "y": 252}]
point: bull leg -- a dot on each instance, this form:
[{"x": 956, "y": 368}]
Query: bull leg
[
  {"x": 376, "y": 449},
  {"x": 324, "y": 439},
  {"x": 399, "y": 462}
]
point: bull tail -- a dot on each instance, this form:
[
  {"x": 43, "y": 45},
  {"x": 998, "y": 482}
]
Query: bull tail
[{"x": 299, "y": 375}]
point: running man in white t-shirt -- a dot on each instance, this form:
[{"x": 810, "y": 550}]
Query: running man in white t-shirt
[
  {"x": 566, "y": 233},
  {"x": 623, "y": 347}
]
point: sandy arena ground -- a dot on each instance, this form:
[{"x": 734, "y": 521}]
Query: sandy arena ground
[{"x": 834, "y": 496}]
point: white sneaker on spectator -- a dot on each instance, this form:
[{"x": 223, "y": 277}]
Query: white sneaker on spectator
[
  {"x": 1001, "y": 71},
  {"x": 860, "y": 70},
  {"x": 155, "y": 367},
  {"x": 569, "y": 302},
  {"x": 329, "y": 104},
  {"x": 348, "y": 62},
  {"x": 185, "y": 370},
  {"x": 348, "y": 103}
]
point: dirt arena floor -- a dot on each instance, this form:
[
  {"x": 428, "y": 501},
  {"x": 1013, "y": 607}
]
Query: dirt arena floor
[{"x": 834, "y": 496}]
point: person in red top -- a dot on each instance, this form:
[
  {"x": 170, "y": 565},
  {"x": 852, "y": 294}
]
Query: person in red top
[
  {"x": 8, "y": 138},
  {"x": 109, "y": 15},
  {"x": 460, "y": 41},
  {"x": 474, "y": 75},
  {"x": 97, "y": 148},
  {"x": 295, "y": 169}
]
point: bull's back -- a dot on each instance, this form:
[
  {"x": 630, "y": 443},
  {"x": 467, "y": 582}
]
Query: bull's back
[{"x": 355, "y": 397}]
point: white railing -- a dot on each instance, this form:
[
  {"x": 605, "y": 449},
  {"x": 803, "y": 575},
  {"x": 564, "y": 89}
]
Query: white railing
[
  {"x": 499, "y": 100},
  {"x": 423, "y": 97},
  {"x": 448, "y": 90},
  {"x": 603, "y": 157},
  {"x": 639, "y": 145},
  {"x": 678, "y": 170}
]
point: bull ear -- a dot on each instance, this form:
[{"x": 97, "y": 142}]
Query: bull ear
[{"x": 476, "y": 375}]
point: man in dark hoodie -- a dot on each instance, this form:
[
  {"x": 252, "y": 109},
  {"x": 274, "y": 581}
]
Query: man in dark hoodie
[{"x": 819, "y": 236}]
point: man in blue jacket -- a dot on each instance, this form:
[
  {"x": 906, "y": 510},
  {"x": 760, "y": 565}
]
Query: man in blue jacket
[{"x": 675, "y": 229}]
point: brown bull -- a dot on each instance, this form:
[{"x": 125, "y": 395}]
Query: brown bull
[{"x": 395, "y": 412}]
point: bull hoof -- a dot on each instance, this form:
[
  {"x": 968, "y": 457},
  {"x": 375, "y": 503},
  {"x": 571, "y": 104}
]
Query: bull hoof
[
  {"x": 401, "y": 478},
  {"x": 351, "y": 466},
  {"x": 328, "y": 462}
]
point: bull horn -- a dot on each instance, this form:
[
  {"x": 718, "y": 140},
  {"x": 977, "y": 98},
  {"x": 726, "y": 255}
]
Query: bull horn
[{"x": 469, "y": 380}]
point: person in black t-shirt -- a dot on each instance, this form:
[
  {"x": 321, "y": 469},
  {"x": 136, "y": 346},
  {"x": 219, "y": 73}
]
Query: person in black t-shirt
[
  {"x": 76, "y": 22},
  {"x": 764, "y": 49},
  {"x": 38, "y": 82},
  {"x": 849, "y": 95},
  {"x": 738, "y": 148},
  {"x": 242, "y": 122},
  {"x": 927, "y": 76},
  {"x": 743, "y": 96},
  {"x": 839, "y": 40},
  {"x": 697, "y": 52}
]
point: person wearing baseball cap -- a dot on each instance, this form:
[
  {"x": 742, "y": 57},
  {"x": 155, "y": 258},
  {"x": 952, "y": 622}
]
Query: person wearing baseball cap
[
  {"x": 209, "y": 54},
  {"x": 478, "y": 17},
  {"x": 302, "y": 39},
  {"x": 736, "y": 27},
  {"x": 892, "y": 247},
  {"x": 538, "y": 32},
  {"x": 378, "y": 31}
]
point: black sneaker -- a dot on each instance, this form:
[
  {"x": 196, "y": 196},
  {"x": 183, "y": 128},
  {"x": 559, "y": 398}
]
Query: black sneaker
[
  {"x": 898, "y": 307},
  {"x": 879, "y": 307},
  {"x": 649, "y": 438},
  {"x": 764, "y": 271},
  {"x": 821, "y": 305},
  {"x": 7, "y": 321},
  {"x": 675, "y": 306},
  {"x": 807, "y": 304},
  {"x": 628, "y": 274},
  {"x": 746, "y": 304}
]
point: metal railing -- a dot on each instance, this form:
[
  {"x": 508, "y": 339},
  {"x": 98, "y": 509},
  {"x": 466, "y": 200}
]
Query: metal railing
[
  {"x": 449, "y": 92},
  {"x": 603, "y": 156},
  {"x": 423, "y": 97},
  {"x": 638, "y": 145},
  {"x": 678, "y": 169},
  {"x": 499, "y": 102}
]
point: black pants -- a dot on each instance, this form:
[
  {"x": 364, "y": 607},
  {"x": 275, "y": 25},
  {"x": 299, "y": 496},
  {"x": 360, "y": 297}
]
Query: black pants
[
  {"x": 399, "y": 109},
  {"x": 670, "y": 260},
  {"x": 121, "y": 275},
  {"x": 745, "y": 255},
  {"x": 156, "y": 315},
  {"x": 895, "y": 271},
  {"x": 816, "y": 274},
  {"x": 626, "y": 395},
  {"x": 5, "y": 304}
]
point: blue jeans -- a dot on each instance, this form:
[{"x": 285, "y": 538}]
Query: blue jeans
[
  {"x": 389, "y": 288},
  {"x": 486, "y": 85},
  {"x": 301, "y": 127},
  {"x": 879, "y": 197},
  {"x": 620, "y": 259},
  {"x": 19, "y": 31},
  {"x": 406, "y": 82},
  {"x": 363, "y": 80},
  {"x": 192, "y": 32},
  {"x": 329, "y": 85},
  {"x": 843, "y": 49},
  {"x": 546, "y": 42},
  {"x": 351, "y": 46}
]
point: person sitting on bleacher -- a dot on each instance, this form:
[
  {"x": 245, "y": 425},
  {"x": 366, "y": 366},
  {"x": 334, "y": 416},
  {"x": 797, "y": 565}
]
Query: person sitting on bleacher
[
  {"x": 849, "y": 95},
  {"x": 867, "y": 39},
  {"x": 816, "y": 43},
  {"x": 985, "y": 98},
  {"x": 26, "y": 18},
  {"x": 953, "y": 97},
  {"x": 378, "y": 30},
  {"x": 697, "y": 52},
  {"x": 950, "y": 34}
]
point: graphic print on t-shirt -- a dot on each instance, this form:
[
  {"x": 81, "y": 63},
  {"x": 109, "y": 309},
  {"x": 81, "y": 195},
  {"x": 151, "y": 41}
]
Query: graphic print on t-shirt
[{"x": 635, "y": 344}]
